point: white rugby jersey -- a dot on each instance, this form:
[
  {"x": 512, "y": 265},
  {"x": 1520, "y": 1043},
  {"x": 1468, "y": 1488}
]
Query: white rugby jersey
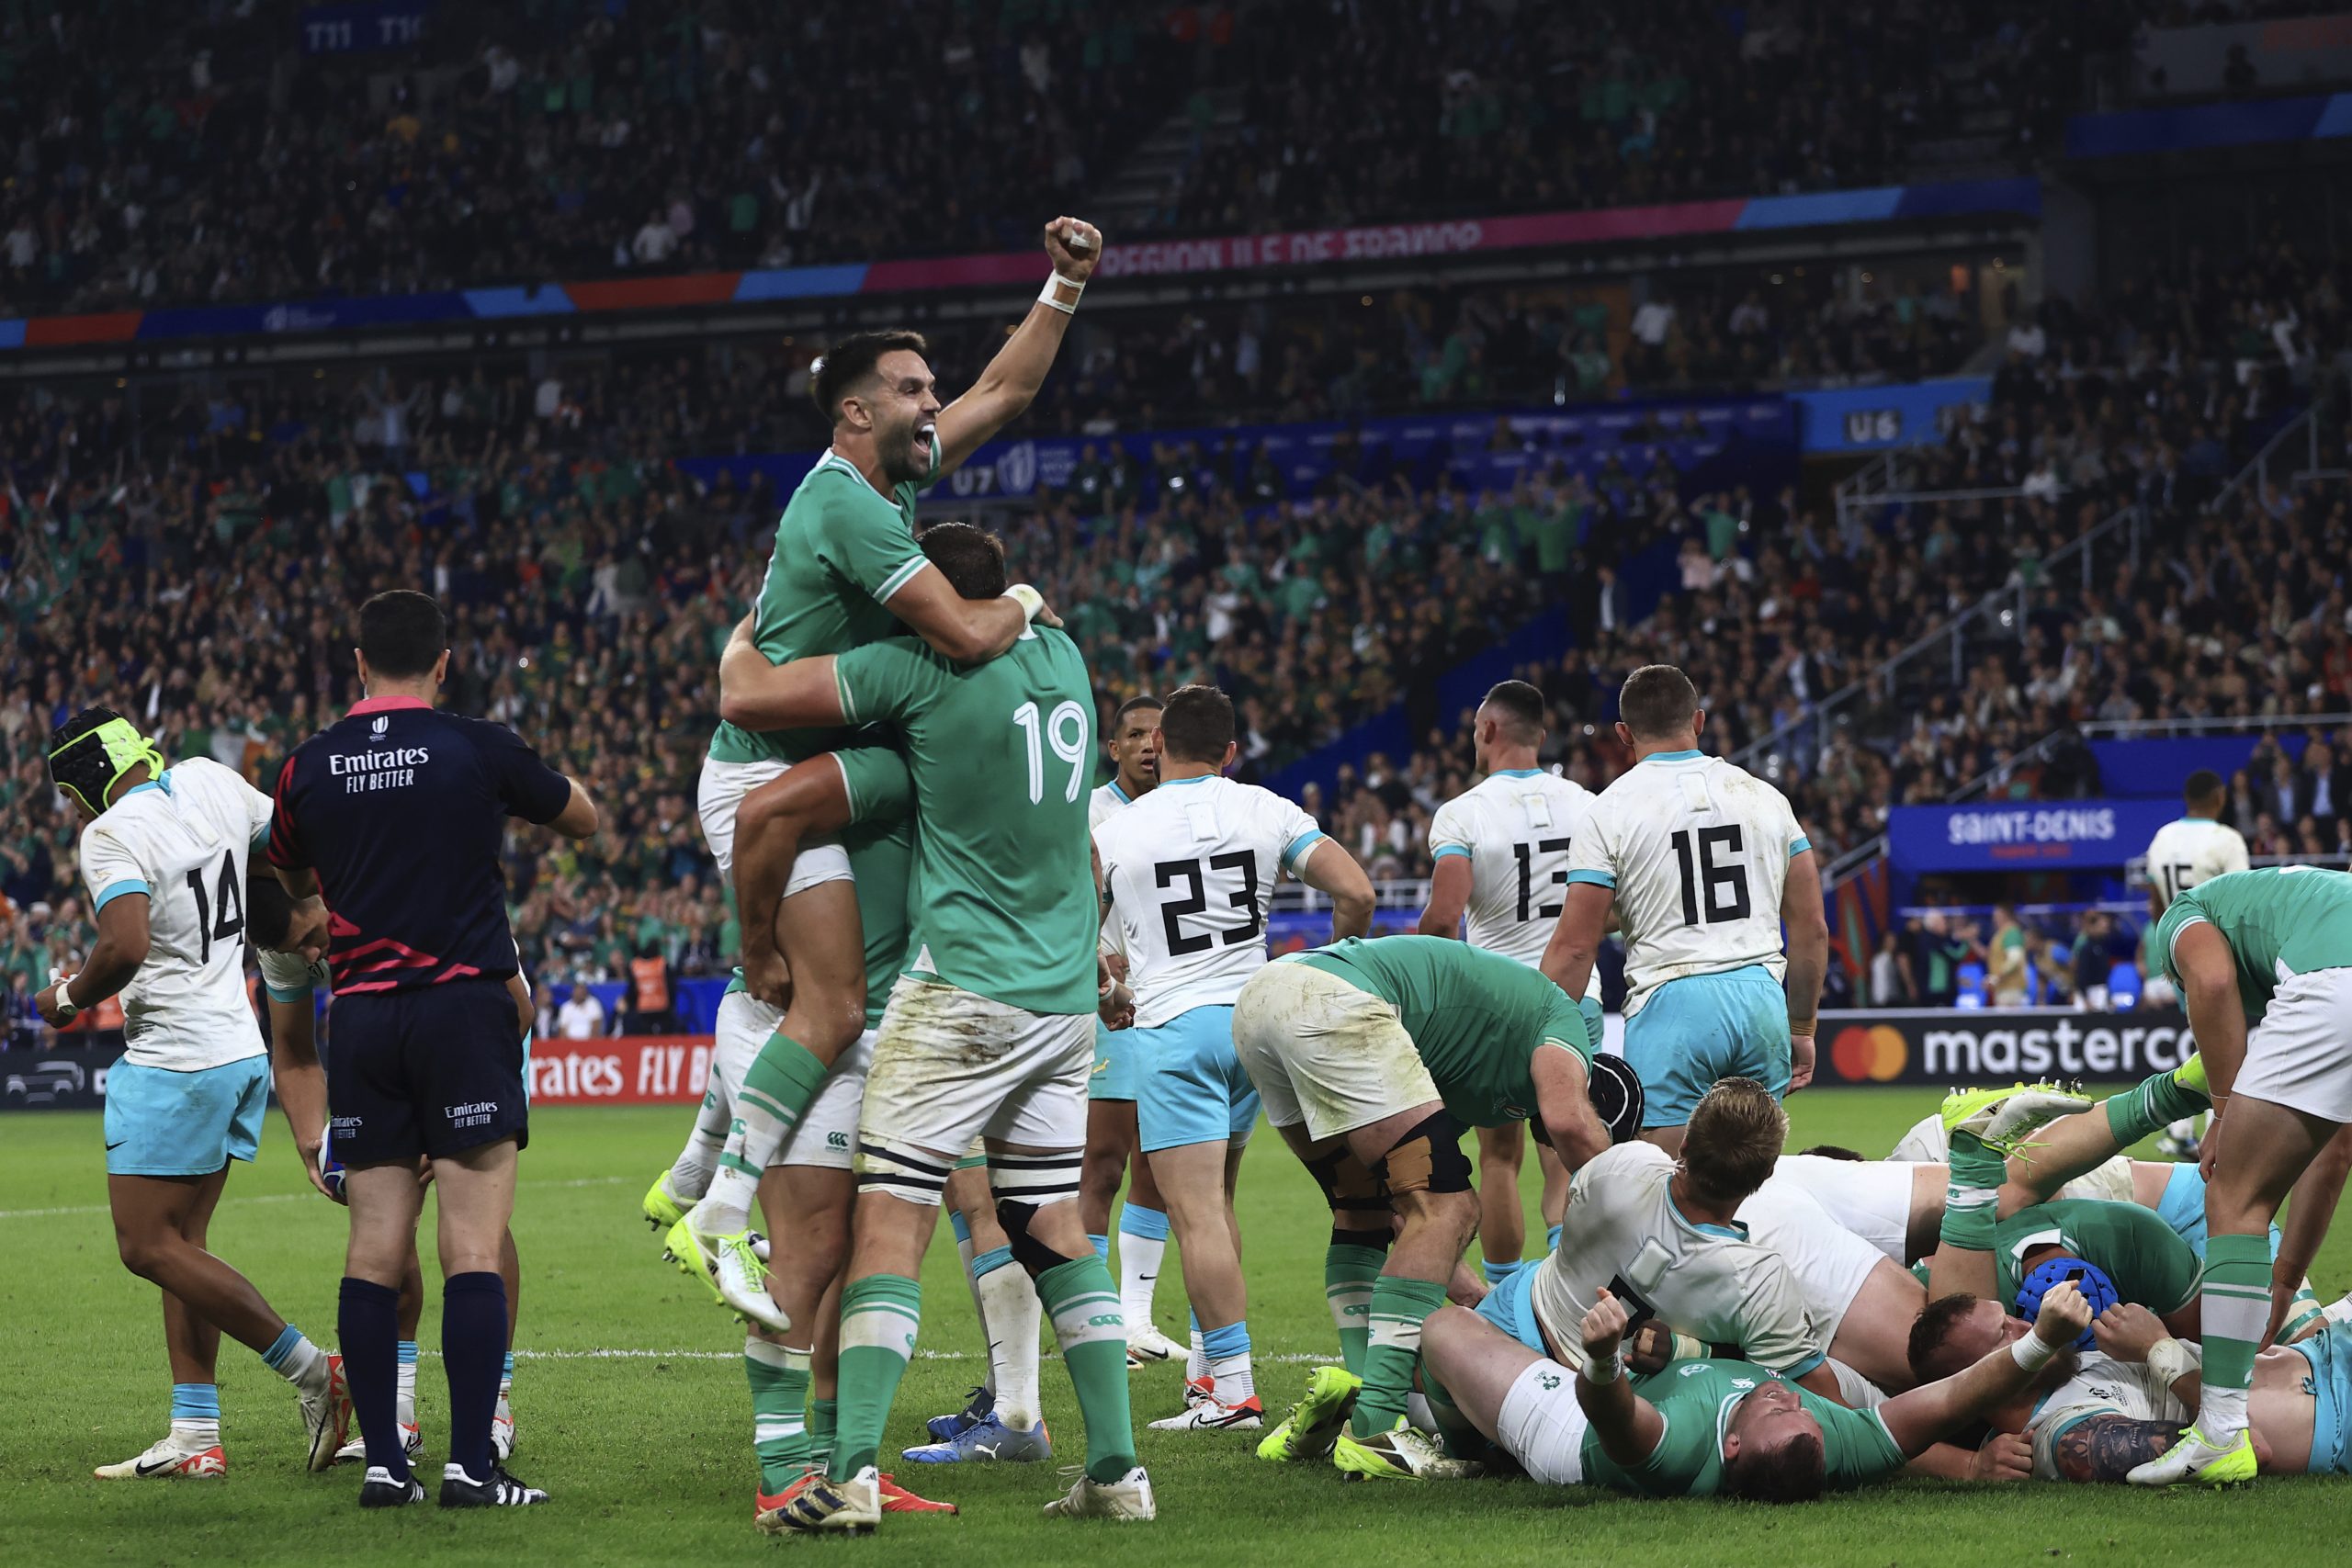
[
  {"x": 1514, "y": 827},
  {"x": 2187, "y": 851},
  {"x": 1107, "y": 800},
  {"x": 1190, "y": 871},
  {"x": 183, "y": 841},
  {"x": 1623, "y": 1231},
  {"x": 2103, "y": 1386},
  {"x": 1697, "y": 852}
]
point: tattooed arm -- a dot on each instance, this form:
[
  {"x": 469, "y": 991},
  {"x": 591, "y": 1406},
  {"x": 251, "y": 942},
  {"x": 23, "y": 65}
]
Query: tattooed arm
[{"x": 2106, "y": 1448}]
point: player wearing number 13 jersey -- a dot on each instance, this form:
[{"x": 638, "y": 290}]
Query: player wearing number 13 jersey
[
  {"x": 989, "y": 1030},
  {"x": 1702, "y": 862}
]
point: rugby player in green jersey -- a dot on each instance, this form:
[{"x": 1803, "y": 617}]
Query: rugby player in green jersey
[
  {"x": 846, "y": 572},
  {"x": 2263, "y": 962},
  {"x": 988, "y": 1030}
]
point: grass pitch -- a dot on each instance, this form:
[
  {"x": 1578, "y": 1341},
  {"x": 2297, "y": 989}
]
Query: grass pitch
[{"x": 631, "y": 1408}]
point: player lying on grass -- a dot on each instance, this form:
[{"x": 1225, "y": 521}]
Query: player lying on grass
[
  {"x": 163, "y": 851},
  {"x": 1371, "y": 1056},
  {"x": 2117, "y": 1251},
  {"x": 1663, "y": 1235},
  {"x": 2138, "y": 1386},
  {"x": 289, "y": 939},
  {"x": 1702, "y": 1427}
]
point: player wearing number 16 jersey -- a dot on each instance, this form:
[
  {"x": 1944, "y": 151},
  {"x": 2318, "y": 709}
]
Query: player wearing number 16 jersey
[
  {"x": 1501, "y": 860},
  {"x": 163, "y": 851},
  {"x": 1702, "y": 862},
  {"x": 1188, "y": 873}
]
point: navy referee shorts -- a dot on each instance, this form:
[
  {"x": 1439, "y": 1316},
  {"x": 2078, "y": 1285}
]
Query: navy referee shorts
[{"x": 434, "y": 1070}]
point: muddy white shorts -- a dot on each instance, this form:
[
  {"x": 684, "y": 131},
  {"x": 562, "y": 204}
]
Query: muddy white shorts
[
  {"x": 721, "y": 789},
  {"x": 951, "y": 1066},
  {"x": 1324, "y": 1051}
]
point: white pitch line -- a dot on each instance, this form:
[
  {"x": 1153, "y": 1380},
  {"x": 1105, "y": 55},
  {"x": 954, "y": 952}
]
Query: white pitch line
[
  {"x": 1287, "y": 1356},
  {"x": 279, "y": 1198}
]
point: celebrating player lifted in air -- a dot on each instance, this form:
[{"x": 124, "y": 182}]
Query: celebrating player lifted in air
[
  {"x": 989, "y": 1031},
  {"x": 846, "y": 572},
  {"x": 1701, "y": 862}
]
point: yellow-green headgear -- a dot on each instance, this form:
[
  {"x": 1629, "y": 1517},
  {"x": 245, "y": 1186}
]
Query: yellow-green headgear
[{"x": 91, "y": 752}]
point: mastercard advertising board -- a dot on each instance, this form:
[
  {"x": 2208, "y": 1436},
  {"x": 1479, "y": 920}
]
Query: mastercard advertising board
[{"x": 1957, "y": 1046}]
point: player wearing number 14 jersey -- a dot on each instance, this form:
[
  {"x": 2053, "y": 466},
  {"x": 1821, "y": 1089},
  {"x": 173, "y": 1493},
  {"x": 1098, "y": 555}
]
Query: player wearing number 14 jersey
[
  {"x": 1702, "y": 862},
  {"x": 163, "y": 851}
]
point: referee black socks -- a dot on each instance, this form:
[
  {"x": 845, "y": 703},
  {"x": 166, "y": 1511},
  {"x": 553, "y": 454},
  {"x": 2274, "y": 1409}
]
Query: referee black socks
[
  {"x": 368, "y": 1325},
  {"x": 473, "y": 1351}
]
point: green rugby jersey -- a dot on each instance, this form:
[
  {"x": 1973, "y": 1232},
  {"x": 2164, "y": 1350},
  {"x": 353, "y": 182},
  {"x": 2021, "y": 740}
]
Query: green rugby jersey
[
  {"x": 2279, "y": 921},
  {"x": 1001, "y": 755},
  {"x": 1476, "y": 1016},
  {"x": 2133, "y": 1246},
  {"x": 1696, "y": 1399},
  {"x": 881, "y": 844},
  {"x": 842, "y": 550}
]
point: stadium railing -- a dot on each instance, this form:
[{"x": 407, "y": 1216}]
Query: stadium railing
[{"x": 2292, "y": 455}]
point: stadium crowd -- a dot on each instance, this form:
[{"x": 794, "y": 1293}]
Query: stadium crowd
[
  {"x": 578, "y": 556},
  {"x": 558, "y": 140}
]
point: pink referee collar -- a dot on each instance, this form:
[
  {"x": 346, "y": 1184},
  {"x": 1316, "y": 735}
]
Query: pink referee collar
[{"x": 385, "y": 705}]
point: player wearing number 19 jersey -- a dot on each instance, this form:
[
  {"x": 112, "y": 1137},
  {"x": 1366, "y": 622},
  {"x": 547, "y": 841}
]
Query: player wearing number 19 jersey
[
  {"x": 1188, "y": 874},
  {"x": 989, "y": 1031},
  {"x": 1702, "y": 862},
  {"x": 1500, "y": 850},
  {"x": 163, "y": 851}
]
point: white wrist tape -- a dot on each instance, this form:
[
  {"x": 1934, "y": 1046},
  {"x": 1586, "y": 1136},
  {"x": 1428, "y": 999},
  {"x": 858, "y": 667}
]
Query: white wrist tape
[
  {"x": 2029, "y": 1351},
  {"x": 2169, "y": 1359},
  {"x": 1061, "y": 293},
  {"x": 1028, "y": 598},
  {"x": 1600, "y": 1370},
  {"x": 63, "y": 999}
]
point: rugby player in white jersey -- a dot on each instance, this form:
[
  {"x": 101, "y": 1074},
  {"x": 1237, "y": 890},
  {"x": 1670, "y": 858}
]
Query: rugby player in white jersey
[
  {"x": 163, "y": 851},
  {"x": 1701, "y": 863},
  {"x": 1500, "y": 861},
  {"x": 1188, "y": 876},
  {"x": 1112, "y": 1150},
  {"x": 1662, "y": 1234}
]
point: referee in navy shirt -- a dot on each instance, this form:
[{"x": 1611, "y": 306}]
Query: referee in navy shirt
[{"x": 394, "y": 814}]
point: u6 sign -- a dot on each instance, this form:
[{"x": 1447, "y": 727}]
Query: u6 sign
[{"x": 639, "y": 1069}]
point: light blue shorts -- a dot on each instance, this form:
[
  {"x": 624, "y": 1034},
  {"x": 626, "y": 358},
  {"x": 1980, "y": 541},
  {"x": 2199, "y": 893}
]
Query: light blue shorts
[
  {"x": 1510, "y": 1306},
  {"x": 160, "y": 1123},
  {"x": 2183, "y": 1208},
  {"x": 1114, "y": 1075},
  {"x": 1194, "y": 1088},
  {"x": 2330, "y": 1353},
  {"x": 1705, "y": 1027}
]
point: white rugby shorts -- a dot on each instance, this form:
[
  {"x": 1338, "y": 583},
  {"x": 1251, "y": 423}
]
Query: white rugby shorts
[
  {"x": 1325, "y": 1053},
  {"x": 1541, "y": 1425},
  {"x": 951, "y": 1066},
  {"x": 721, "y": 788},
  {"x": 2299, "y": 1056},
  {"x": 826, "y": 1134}
]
